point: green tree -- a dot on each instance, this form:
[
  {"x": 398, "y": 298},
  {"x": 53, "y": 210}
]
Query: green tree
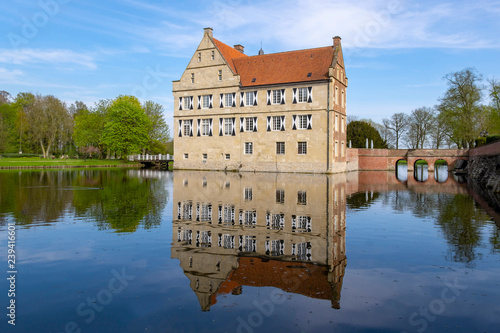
[
  {"x": 494, "y": 92},
  {"x": 359, "y": 131},
  {"x": 461, "y": 109},
  {"x": 421, "y": 124},
  {"x": 398, "y": 125},
  {"x": 127, "y": 126},
  {"x": 158, "y": 133}
]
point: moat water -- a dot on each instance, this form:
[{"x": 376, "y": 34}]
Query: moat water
[{"x": 152, "y": 251}]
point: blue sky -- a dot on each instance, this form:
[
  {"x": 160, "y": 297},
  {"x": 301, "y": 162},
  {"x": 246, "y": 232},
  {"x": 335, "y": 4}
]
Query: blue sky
[{"x": 396, "y": 51}]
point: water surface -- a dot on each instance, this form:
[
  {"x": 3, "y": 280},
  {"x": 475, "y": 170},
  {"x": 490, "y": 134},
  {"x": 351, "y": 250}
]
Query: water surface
[{"x": 152, "y": 251}]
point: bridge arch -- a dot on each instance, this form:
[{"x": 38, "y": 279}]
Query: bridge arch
[
  {"x": 441, "y": 169},
  {"x": 401, "y": 168},
  {"x": 421, "y": 170}
]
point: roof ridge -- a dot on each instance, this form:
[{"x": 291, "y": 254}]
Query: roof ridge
[{"x": 292, "y": 51}]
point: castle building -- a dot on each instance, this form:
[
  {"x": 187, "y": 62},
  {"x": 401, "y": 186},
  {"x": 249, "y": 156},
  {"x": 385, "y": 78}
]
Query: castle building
[{"x": 281, "y": 112}]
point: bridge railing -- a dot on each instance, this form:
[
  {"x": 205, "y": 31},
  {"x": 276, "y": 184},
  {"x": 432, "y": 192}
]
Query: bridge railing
[{"x": 147, "y": 157}]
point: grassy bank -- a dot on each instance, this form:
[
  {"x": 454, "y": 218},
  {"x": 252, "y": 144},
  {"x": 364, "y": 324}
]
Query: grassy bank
[{"x": 58, "y": 163}]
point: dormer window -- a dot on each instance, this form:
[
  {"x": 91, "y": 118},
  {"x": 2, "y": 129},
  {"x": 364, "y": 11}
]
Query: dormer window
[{"x": 309, "y": 74}]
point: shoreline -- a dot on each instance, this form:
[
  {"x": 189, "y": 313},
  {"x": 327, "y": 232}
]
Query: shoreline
[{"x": 38, "y": 167}]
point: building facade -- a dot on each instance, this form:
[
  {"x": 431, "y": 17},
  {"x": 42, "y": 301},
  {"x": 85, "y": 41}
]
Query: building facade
[{"x": 282, "y": 112}]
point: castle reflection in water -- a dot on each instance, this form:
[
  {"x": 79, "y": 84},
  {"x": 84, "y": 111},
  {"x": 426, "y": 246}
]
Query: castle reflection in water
[{"x": 261, "y": 230}]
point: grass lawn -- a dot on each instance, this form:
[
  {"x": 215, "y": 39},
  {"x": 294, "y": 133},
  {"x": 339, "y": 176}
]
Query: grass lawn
[{"x": 40, "y": 162}]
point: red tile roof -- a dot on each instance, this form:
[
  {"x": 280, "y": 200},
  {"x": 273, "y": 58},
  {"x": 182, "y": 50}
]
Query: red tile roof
[
  {"x": 279, "y": 68},
  {"x": 228, "y": 53}
]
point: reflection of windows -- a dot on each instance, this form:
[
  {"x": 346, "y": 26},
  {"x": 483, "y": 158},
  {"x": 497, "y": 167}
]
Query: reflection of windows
[
  {"x": 226, "y": 214},
  {"x": 203, "y": 239},
  {"x": 248, "y": 243},
  {"x": 301, "y": 223},
  {"x": 302, "y": 251},
  {"x": 302, "y": 198},
  {"x": 226, "y": 241},
  {"x": 275, "y": 221},
  {"x": 187, "y": 211},
  {"x": 280, "y": 196},
  {"x": 185, "y": 236},
  {"x": 248, "y": 218},
  {"x": 248, "y": 194},
  {"x": 275, "y": 247},
  {"x": 206, "y": 212}
]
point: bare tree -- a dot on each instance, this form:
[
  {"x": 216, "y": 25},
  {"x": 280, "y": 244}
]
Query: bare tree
[
  {"x": 5, "y": 97},
  {"x": 421, "y": 124},
  {"x": 49, "y": 122},
  {"x": 398, "y": 124}
]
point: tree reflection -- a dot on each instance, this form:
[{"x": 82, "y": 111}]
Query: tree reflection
[{"x": 114, "y": 199}]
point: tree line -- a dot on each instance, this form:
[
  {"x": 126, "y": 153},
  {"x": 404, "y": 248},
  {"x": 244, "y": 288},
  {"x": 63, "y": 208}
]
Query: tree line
[
  {"x": 46, "y": 126},
  {"x": 459, "y": 119}
]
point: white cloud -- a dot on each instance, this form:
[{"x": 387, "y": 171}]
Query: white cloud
[{"x": 30, "y": 56}]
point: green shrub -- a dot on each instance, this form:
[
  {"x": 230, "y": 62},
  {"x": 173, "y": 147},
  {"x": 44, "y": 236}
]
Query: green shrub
[
  {"x": 16, "y": 155},
  {"x": 480, "y": 141},
  {"x": 492, "y": 138}
]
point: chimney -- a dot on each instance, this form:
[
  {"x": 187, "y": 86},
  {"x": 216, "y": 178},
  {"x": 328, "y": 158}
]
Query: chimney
[
  {"x": 240, "y": 48},
  {"x": 336, "y": 41},
  {"x": 209, "y": 32}
]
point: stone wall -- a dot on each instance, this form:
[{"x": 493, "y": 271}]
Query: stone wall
[{"x": 484, "y": 166}]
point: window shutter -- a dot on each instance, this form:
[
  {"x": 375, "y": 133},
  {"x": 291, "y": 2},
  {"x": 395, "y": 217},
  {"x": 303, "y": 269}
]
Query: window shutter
[
  {"x": 282, "y": 96},
  {"x": 191, "y": 127},
  {"x": 198, "y": 130},
  {"x": 234, "y": 100},
  {"x": 255, "y": 124},
  {"x": 309, "y": 94},
  {"x": 294, "y": 122},
  {"x": 242, "y": 99},
  {"x": 211, "y": 102},
  {"x": 199, "y": 102},
  {"x": 180, "y": 103},
  {"x": 220, "y": 213},
  {"x": 269, "y": 97},
  {"x": 268, "y": 123},
  {"x": 255, "y": 97},
  {"x": 234, "y": 126},
  {"x": 294, "y": 96},
  {"x": 191, "y": 102},
  {"x": 309, "y": 121},
  {"x": 241, "y": 216},
  {"x": 294, "y": 222},
  {"x": 242, "y": 121},
  {"x": 282, "y": 221},
  {"x": 282, "y": 123},
  {"x": 220, "y": 126},
  {"x": 197, "y": 212},
  {"x": 180, "y": 128},
  {"x": 221, "y": 104},
  {"x": 210, "y": 126}
]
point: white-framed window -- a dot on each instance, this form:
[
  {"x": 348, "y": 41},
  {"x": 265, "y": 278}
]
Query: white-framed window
[
  {"x": 343, "y": 99},
  {"x": 205, "y": 156},
  {"x": 228, "y": 126},
  {"x": 342, "y": 149},
  {"x": 249, "y": 98},
  {"x": 205, "y": 127},
  {"x": 336, "y": 148},
  {"x": 302, "y": 122},
  {"x": 206, "y": 102},
  {"x": 249, "y": 124},
  {"x": 336, "y": 122},
  {"x": 186, "y": 156},
  {"x": 213, "y": 55},
  {"x": 192, "y": 77},
  {"x": 342, "y": 124},
  {"x": 302, "y": 148},
  {"x": 302, "y": 95},
  {"x": 228, "y": 156},
  {"x": 199, "y": 56},
  {"x": 280, "y": 148},
  {"x": 248, "y": 148},
  {"x": 276, "y": 96},
  {"x": 301, "y": 198},
  {"x": 336, "y": 95},
  {"x": 220, "y": 75},
  {"x": 228, "y": 100},
  {"x": 276, "y": 123},
  {"x": 280, "y": 196},
  {"x": 187, "y": 128},
  {"x": 248, "y": 194},
  {"x": 187, "y": 103}
]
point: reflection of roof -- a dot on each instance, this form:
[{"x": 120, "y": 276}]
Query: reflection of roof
[
  {"x": 295, "y": 277},
  {"x": 278, "y": 68}
]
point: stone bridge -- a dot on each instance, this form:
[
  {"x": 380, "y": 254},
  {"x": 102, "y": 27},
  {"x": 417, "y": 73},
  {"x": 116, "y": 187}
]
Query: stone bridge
[{"x": 386, "y": 159}]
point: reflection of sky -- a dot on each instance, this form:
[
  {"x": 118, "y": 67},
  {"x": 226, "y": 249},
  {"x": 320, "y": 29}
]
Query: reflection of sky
[{"x": 396, "y": 263}]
